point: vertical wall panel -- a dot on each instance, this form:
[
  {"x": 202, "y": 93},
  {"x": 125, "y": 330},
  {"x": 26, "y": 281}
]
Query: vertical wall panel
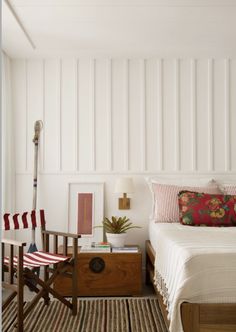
[
  {"x": 193, "y": 113},
  {"x": 202, "y": 124},
  {"x": 119, "y": 114},
  {"x": 227, "y": 116},
  {"x": 219, "y": 115},
  {"x": 185, "y": 116},
  {"x": 101, "y": 122},
  {"x": 153, "y": 152},
  {"x": 85, "y": 116},
  {"x": 232, "y": 113},
  {"x": 52, "y": 118},
  {"x": 135, "y": 105},
  {"x": 143, "y": 115},
  {"x": 109, "y": 115},
  {"x": 35, "y": 104},
  {"x": 68, "y": 115},
  {"x": 126, "y": 123},
  {"x": 210, "y": 113},
  {"x": 168, "y": 118},
  {"x": 160, "y": 142},
  {"x": 19, "y": 104},
  {"x": 92, "y": 110},
  {"x": 177, "y": 114}
]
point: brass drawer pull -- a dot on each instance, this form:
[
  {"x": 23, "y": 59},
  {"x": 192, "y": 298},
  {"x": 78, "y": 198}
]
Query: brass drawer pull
[{"x": 97, "y": 265}]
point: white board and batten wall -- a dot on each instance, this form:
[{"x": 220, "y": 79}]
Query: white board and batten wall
[{"x": 105, "y": 118}]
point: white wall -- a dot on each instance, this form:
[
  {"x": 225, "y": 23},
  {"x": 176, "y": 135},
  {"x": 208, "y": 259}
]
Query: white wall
[
  {"x": 7, "y": 143},
  {"x": 104, "y": 117}
]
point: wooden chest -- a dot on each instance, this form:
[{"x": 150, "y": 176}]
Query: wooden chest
[{"x": 105, "y": 274}]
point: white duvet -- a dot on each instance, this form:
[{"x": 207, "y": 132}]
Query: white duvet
[{"x": 194, "y": 264}]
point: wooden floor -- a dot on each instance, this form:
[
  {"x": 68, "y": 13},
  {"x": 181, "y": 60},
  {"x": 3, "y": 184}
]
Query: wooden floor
[{"x": 147, "y": 290}]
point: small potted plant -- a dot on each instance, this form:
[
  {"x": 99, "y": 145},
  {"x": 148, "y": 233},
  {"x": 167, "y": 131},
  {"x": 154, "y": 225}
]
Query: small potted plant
[{"x": 116, "y": 229}]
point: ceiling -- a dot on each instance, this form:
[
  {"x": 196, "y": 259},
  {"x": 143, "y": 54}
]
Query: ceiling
[{"x": 119, "y": 28}]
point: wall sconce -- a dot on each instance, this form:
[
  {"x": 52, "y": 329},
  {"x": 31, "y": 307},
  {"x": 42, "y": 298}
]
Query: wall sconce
[{"x": 124, "y": 185}]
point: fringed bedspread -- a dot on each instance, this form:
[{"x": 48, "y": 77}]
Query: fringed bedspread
[{"x": 194, "y": 264}]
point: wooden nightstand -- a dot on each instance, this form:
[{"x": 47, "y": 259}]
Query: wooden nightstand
[{"x": 105, "y": 274}]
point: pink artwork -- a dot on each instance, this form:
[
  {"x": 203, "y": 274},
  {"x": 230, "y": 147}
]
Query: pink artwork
[{"x": 85, "y": 213}]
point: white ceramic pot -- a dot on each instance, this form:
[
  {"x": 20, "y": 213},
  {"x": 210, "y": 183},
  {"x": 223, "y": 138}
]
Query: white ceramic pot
[{"x": 116, "y": 240}]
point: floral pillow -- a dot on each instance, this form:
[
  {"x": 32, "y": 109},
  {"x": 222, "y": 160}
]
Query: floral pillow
[{"x": 207, "y": 209}]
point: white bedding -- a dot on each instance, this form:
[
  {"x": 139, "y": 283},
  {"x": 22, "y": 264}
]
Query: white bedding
[{"x": 197, "y": 264}]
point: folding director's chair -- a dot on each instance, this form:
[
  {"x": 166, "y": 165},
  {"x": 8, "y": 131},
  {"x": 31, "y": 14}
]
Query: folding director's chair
[{"x": 21, "y": 267}]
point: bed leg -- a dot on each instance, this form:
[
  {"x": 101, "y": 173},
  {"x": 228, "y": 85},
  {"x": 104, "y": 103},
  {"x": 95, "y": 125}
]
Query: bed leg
[
  {"x": 190, "y": 317},
  {"x": 148, "y": 277},
  {"x": 149, "y": 265}
]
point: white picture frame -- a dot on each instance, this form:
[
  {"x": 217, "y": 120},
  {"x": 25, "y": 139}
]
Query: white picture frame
[{"x": 96, "y": 191}]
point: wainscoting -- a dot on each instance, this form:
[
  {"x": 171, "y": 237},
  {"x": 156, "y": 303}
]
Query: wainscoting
[{"x": 109, "y": 117}]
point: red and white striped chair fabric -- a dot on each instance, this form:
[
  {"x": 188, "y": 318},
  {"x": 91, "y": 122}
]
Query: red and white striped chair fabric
[
  {"x": 24, "y": 220},
  {"x": 37, "y": 259},
  {"x": 30, "y": 220}
]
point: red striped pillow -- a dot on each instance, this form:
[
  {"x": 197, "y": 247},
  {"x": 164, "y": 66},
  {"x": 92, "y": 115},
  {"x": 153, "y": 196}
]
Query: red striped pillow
[{"x": 166, "y": 200}]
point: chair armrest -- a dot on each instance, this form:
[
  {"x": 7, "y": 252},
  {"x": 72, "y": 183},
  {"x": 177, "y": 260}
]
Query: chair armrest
[
  {"x": 75, "y": 236},
  {"x": 13, "y": 242},
  {"x": 46, "y": 239}
]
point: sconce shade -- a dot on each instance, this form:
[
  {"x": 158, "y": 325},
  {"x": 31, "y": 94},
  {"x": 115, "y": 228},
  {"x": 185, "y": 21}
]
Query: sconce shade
[{"x": 124, "y": 185}]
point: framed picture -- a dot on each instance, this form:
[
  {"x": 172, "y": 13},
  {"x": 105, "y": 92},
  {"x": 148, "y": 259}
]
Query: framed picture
[{"x": 86, "y": 210}]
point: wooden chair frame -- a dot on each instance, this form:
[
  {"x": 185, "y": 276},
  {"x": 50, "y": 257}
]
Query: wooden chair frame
[
  {"x": 196, "y": 317},
  {"x": 25, "y": 276}
]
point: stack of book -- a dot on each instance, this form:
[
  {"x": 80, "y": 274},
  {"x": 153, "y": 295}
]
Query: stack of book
[
  {"x": 125, "y": 249},
  {"x": 96, "y": 247}
]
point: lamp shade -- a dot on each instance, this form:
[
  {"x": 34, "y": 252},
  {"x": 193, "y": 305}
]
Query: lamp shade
[{"x": 124, "y": 185}]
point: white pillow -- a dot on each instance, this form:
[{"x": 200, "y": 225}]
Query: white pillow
[
  {"x": 227, "y": 186},
  {"x": 180, "y": 181}
]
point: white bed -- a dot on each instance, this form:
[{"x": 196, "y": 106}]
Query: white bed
[{"x": 197, "y": 264}]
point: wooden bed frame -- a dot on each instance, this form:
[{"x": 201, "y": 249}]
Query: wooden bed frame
[{"x": 196, "y": 317}]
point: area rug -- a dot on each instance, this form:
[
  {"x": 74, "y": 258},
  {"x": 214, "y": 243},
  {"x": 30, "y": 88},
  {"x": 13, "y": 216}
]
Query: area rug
[{"x": 94, "y": 315}]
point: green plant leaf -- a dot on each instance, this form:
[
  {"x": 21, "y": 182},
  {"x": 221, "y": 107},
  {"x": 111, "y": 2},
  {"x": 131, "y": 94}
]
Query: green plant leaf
[{"x": 117, "y": 225}]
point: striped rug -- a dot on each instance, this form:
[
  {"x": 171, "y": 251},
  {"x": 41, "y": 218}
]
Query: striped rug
[{"x": 94, "y": 315}]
